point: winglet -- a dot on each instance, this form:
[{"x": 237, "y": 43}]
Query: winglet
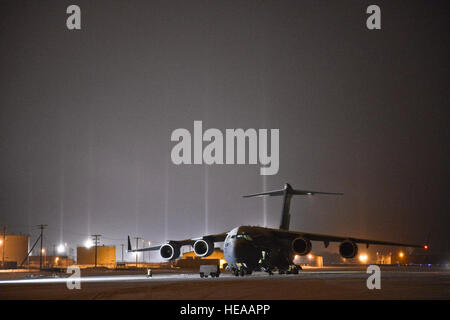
[{"x": 129, "y": 244}]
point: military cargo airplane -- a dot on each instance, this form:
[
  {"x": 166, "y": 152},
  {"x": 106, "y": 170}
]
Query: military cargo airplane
[{"x": 252, "y": 248}]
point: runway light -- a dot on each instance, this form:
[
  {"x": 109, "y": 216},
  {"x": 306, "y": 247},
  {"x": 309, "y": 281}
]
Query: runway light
[
  {"x": 401, "y": 254},
  {"x": 43, "y": 250},
  {"x": 310, "y": 256},
  {"x": 56, "y": 259},
  {"x": 60, "y": 248},
  {"x": 363, "y": 258},
  {"x": 1, "y": 242},
  {"x": 425, "y": 247}
]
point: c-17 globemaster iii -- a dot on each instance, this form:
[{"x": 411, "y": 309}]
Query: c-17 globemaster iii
[{"x": 252, "y": 248}]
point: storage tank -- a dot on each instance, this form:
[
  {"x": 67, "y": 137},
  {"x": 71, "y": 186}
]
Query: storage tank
[{"x": 13, "y": 249}]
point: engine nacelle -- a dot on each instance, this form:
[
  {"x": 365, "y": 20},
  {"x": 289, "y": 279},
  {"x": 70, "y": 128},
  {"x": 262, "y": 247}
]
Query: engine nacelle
[
  {"x": 301, "y": 246},
  {"x": 203, "y": 247},
  {"x": 170, "y": 251},
  {"x": 348, "y": 249}
]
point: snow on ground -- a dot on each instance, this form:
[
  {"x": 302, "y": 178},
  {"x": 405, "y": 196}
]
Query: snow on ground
[{"x": 328, "y": 283}]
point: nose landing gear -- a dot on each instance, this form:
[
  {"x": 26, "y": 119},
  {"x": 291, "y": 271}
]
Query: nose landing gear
[{"x": 242, "y": 271}]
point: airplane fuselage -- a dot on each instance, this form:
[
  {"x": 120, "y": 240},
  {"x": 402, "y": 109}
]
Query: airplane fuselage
[{"x": 254, "y": 248}]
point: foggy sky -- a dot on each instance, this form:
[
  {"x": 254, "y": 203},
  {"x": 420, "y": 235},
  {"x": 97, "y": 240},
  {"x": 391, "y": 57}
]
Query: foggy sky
[{"x": 86, "y": 117}]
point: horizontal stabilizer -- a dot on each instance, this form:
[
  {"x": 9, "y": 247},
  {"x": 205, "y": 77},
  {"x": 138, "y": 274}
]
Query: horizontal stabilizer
[
  {"x": 290, "y": 191},
  {"x": 287, "y": 192}
]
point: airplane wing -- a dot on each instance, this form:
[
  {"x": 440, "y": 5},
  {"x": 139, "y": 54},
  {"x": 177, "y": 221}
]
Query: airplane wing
[
  {"x": 326, "y": 239},
  {"x": 287, "y": 192},
  {"x": 220, "y": 237}
]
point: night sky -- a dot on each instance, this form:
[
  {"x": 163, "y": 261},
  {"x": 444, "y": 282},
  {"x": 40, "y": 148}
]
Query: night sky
[{"x": 86, "y": 117}]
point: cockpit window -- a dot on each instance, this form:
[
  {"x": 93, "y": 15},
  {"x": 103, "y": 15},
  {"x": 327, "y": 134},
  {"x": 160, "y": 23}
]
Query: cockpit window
[{"x": 244, "y": 236}]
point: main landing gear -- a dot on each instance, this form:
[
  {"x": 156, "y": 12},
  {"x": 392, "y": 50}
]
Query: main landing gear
[
  {"x": 268, "y": 270},
  {"x": 293, "y": 269}
]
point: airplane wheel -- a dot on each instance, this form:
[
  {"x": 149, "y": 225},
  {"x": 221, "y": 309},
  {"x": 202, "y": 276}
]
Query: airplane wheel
[
  {"x": 236, "y": 272},
  {"x": 270, "y": 273},
  {"x": 242, "y": 272},
  {"x": 295, "y": 271},
  {"x": 202, "y": 274},
  {"x": 280, "y": 272}
]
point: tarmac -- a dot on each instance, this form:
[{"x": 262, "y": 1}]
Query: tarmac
[{"x": 348, "y": 283}]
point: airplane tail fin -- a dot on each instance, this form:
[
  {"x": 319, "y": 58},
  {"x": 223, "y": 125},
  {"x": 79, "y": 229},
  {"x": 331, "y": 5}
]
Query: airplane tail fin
[{"x": 287, "y": 192}]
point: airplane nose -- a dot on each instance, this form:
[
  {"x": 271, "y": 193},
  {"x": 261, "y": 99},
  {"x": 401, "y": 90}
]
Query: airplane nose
[{"x": 241, "y": 249}]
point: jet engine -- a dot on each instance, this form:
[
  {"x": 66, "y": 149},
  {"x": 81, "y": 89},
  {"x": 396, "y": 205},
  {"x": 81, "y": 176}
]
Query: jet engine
[
  {"x": 348, "y": 249},
  {"x": 203, "y": 247},
  {"x": 170, "y": 251},
  {"x": 301, "y": 246}
]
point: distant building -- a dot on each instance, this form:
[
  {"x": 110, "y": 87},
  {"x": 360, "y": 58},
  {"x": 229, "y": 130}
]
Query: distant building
[
  {"x": 191, "y": 260},
  {"x": 106, "y": 256},
  {"x": 50, "y": 261},
  {"x": 13, "y": 250},
  {"x": 384, "y": 259},
  {"x": 217, "y": 254},
  {"x": 309, "y": 260}
]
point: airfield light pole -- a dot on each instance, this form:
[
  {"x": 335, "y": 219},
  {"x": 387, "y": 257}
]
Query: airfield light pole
[
  {"x": 143, "y": 253},
  {"x": 96, "y": 239},
  {"x": 42, "y": 227},
  {"x": 149, "y": 245},
  {"x": 4, "y": 246},
  {"x": 137, "y": 245}
]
